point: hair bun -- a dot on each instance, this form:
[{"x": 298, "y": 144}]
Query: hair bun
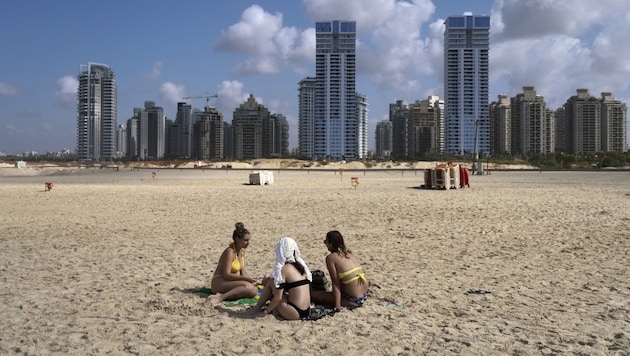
[{"x": 239, "y": 226}]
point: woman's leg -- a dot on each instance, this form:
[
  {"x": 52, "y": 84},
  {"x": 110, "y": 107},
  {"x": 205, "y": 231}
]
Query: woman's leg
[
  {"x": 266, "y": 295},
  {"x": 230, "y": 290}
]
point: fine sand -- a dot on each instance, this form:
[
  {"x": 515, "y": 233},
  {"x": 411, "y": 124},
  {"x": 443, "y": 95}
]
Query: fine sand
[{"x": 520, "y": 263}]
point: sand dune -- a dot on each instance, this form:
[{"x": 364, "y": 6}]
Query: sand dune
[{"x": 520, "y": 263}]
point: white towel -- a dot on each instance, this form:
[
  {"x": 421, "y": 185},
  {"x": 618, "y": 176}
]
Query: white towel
[{"x": 287, "y": 251}]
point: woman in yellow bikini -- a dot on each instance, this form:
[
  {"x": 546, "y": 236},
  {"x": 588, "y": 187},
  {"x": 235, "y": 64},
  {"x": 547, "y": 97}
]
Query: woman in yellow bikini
[
  {"x": 230, "y": 281},
  {"x": 349, "y": 285}
]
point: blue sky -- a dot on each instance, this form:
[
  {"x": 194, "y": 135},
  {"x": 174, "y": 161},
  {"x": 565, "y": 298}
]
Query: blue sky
[{"x": 165, "y": 50}]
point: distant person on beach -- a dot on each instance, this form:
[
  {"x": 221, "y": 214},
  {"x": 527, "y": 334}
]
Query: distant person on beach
[
  {"x": 230, "y": 280},
  {"x": 349, "y": 285},
  {"x": 288, "y": 289}
]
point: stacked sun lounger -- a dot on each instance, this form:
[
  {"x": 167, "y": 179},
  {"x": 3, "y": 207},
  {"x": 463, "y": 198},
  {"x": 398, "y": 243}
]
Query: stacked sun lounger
[{"x": 446, "y": 176}]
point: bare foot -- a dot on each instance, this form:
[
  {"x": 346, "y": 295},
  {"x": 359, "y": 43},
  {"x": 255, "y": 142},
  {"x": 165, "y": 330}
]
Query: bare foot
[{"x": 215, "y": 298}]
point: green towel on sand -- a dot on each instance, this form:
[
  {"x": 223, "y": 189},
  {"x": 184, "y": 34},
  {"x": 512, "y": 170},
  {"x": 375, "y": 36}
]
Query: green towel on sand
[{"x": 241, "y": 301}]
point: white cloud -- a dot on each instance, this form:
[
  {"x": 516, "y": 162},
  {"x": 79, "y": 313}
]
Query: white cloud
[
  {"x": 519, "y": 19},
  {"x": 253, "y": 34},
  {"x": 7, "y": 90},
  {"x": 66, "y": 92},
  {"x": 260, "y": 65},
  {"x": 395, "y": 53},
  {"x": 230, "y": 95},
  {"x": 555, "y": 45},
  {"x": 559, "y": 46},
  {"x": 171, "y": 93},
  {"x": 367, "y": 13},
  {"x": 262, "y": 36},
  {"x": 555, "y": 73},
  {"x": 155, "y": 72}
]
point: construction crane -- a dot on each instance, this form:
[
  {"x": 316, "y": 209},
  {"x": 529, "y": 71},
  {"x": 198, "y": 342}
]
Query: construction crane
[{"x": 201, "y": 96}]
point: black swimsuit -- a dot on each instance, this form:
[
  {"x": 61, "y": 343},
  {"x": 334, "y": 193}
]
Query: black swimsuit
[
  {"x": 303, "y": 313},
  {"x": 286, "y": 285}
]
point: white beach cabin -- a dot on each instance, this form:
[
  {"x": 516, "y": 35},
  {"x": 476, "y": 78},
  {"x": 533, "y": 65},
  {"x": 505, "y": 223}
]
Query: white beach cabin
[{"x": 261, "y": 178}]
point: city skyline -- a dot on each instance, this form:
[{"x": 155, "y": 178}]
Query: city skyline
[{"x": 266, "y": 47}]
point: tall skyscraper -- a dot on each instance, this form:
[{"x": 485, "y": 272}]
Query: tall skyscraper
[
  {"x": 256, "y": 133},
  {"x": 614, "y": 124},
  {"x": 121, "y": 141},
  {"x": 583, "y": 123},
  {"x": 181, "y": 132},
  {"x": 155, "y": 130},
  {"x": 306, "y": 115},
  {"x": 466, "y": 49},
  {"x": 207, "y": 141},
  {"x": 399, "y": 116},
  {"x": 501, "y": 126},
  {"x": 336, "y": 123},
  {"x": 425, "y": 127},
  {"x": 146, "y": 133},
  {"x": 383, "y": 139},
  {"x": 362, "y": 126},
  {"x": 278, "y": 127},
  {"x": 531, "y": 124},
  {"x": 96, "y": 121}
]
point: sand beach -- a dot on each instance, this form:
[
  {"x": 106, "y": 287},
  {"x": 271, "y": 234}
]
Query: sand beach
[{"x": 520, "y": 263}]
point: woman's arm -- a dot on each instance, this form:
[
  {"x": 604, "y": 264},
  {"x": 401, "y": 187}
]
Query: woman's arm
[
  {"x": 336, "y": 284},
  {"x": 276, "y": 299},
  {"x": 246, "y": 277}
]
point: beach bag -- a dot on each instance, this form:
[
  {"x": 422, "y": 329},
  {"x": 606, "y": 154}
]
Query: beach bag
[{"x": 319, "y": 280}]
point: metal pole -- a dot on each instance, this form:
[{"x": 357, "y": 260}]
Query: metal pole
[{"x": 474, "y": 158}]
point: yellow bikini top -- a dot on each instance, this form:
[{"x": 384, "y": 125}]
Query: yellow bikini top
[
  {"x": 236, "y": 264},
  {"x": 360, "y": 276}
]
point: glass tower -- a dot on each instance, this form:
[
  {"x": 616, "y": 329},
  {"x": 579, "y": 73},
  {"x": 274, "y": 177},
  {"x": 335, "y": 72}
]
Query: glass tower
[
  {"x": 96, "y": 120},
  {"x": 336, "y": 126},
  {"x": 466, "y": 47}
]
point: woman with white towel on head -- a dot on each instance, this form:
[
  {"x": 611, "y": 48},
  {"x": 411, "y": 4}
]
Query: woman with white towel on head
[{"x": 288, "y": 291}]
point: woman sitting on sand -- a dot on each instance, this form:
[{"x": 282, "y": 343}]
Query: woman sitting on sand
[
  {"x": 230, "y": 281},
  {"x": 288, "y": 290},
  {"x": 349, "y": 286}
]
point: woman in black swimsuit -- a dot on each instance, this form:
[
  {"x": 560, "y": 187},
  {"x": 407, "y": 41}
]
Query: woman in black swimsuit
[{"x": 288, "y": 291}]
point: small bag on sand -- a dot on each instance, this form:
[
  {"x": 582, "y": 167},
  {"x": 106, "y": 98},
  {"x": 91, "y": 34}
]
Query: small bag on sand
[{"x": 319, "y": 280}]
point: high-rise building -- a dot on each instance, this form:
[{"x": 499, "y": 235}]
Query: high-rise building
[
  {"x": 96, "y": 121},
  {"x": 257, "y": 133},
  {"x": 501, "y": 126},
  {"x": 156, "y": 131},
  {"x": 531, "y": 124},
  {"x": 121, "y": 141},
  {"x": 228, "y": 141},
  {"x": 466, "y": 72},
  {"x": 207, "y": 140},
  {"x": 278, "y": 136},
  {"x": 132, "y": 135},
  {"x": 614, "y": 124},
  {"x": 425, "y": 123},
  {"x": 181, "y": 132},
  {"x": 336, "y": 123},
  {"x": 146, "y": 133},
  {"x": 560, "y": 127},
  {"x": 384, "y": 139},
  {"x": 362, "y": 126},
  {"x": 583, "y": 123},
  {"x": 399, "y": 115},
  {"x": 306, "y": 117}
]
